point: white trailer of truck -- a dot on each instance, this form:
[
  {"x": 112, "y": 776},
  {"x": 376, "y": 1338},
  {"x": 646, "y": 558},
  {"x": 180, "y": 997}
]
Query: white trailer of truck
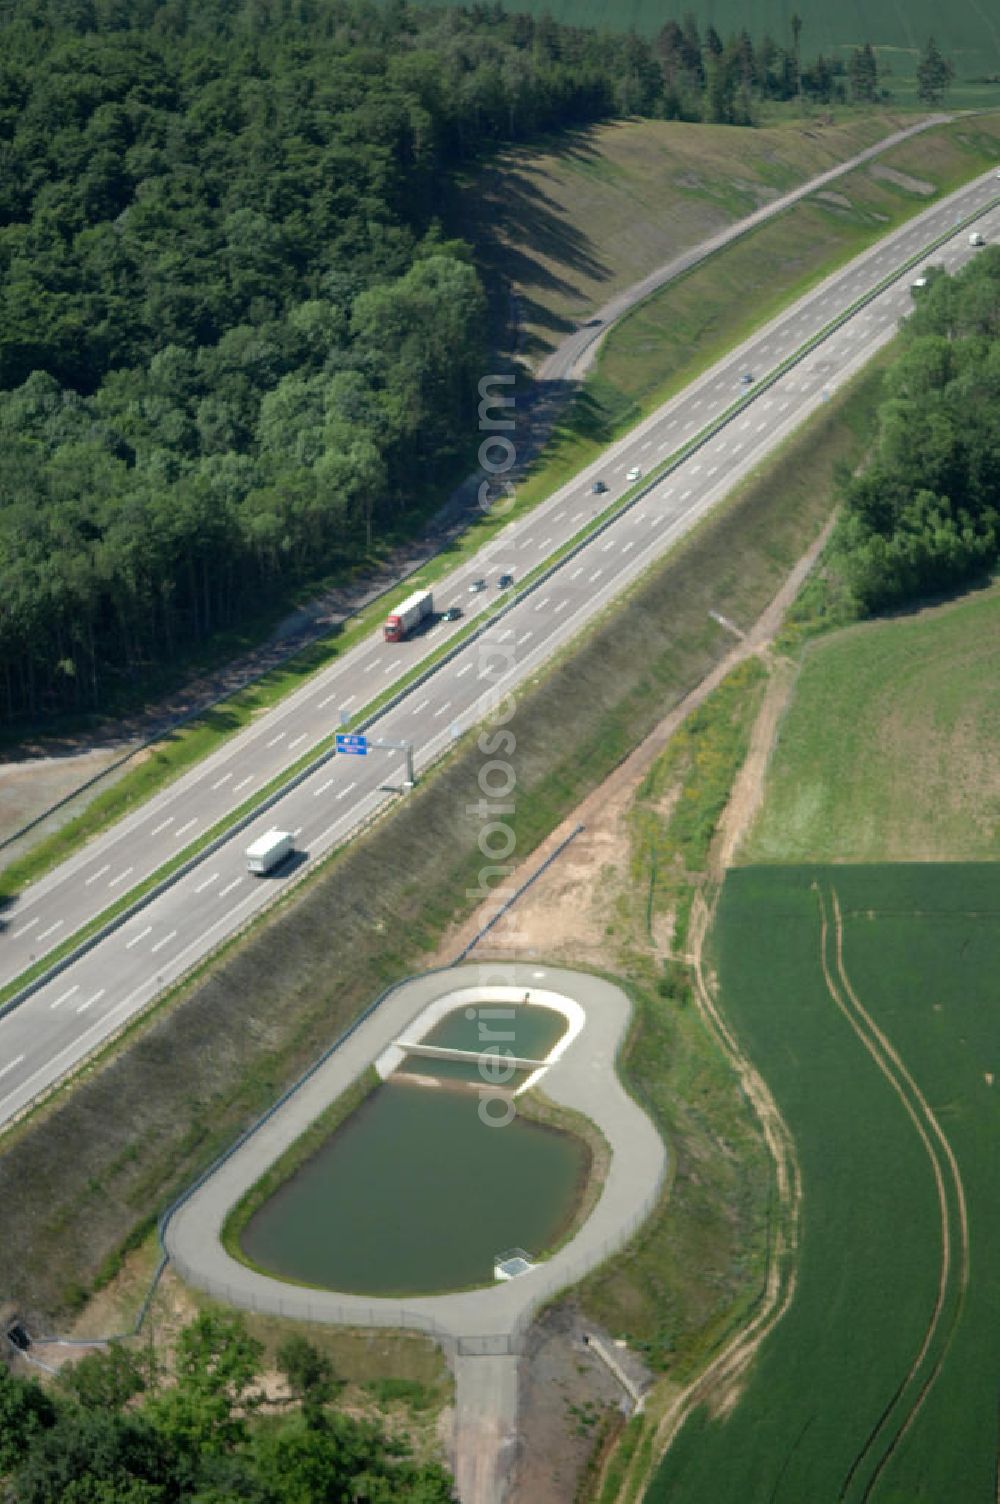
[
  {"x": 268, "y": 850},
  {"x": 407, "y": 615}
]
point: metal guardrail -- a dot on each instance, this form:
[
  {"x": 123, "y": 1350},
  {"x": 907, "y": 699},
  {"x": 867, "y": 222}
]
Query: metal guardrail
[
  {"x": 409, "y": 1319},
  {"x": 739, "y": 233},
  {"x": 654, "y": 479}
]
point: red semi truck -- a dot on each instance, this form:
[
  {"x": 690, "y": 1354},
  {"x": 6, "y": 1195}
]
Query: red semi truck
[{"x": 409, "y": 614}]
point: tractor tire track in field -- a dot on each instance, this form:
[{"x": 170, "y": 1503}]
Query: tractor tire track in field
[
  {"x": 894, "y": 1421},
  {"x": 719, "y": 1381}
]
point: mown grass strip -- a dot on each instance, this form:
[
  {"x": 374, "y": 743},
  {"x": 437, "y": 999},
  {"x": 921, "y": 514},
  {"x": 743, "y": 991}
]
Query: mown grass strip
[
  {"x": 182, "y": 1081},
  {"x": 568, "y": 454}
]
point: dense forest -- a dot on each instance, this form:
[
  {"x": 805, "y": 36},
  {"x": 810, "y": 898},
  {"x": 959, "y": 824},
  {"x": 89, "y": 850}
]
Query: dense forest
[
  {"x": 111, "y": 1432},
  {"x": 924, "y": 517},
  {"x": 237, "y": 345}
]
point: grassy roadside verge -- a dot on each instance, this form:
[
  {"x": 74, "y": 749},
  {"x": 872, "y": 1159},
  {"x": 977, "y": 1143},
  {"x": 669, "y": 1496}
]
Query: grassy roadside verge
[
  {"x": 680, "y": 331},
  {"x": 293, "y": 770},
  {"x": 140, "y": 1122},
  {"x": 695, "y": 1269},
  {"x": 599, "y": 415}
]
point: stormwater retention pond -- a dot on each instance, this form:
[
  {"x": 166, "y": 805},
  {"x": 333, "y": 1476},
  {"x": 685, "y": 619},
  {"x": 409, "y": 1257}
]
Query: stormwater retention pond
[{"x": 418, "y": 1190}]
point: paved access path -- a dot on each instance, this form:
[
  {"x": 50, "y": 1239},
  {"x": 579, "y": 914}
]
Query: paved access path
[
  {"x": 478, "y": 1329},
  {"x": 556, "y": 380},
  {"x": 574, "y": 355},
  {"x": 583, "y": 1079}
]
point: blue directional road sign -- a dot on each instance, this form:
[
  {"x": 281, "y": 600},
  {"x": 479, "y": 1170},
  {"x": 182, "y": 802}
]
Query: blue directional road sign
[{"x": 356, "y": 744}]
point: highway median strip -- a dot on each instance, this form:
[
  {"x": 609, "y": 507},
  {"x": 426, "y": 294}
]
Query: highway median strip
[
  {"x": 195, "y": 739},
  {"x": 171, "y": 872}
]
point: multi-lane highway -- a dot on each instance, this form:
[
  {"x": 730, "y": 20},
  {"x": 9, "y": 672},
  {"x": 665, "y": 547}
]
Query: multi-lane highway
[{"x": 69, "y": 1016}]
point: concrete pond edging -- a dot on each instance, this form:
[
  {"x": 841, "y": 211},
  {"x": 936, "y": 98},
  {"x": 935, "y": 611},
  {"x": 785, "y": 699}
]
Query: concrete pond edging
[{"x": 488, "y": 1320}]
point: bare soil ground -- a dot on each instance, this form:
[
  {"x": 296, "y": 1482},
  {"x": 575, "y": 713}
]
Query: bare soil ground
[
  {"x": 569, "y": 1402},
  {"x": 32, "y": 786},
  {"x": 566, "y": 917}
]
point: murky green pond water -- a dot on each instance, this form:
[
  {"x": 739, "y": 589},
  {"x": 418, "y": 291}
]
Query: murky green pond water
[
  {"x": 528, "y": 1033},
  {"x": 416, "y": 1194}
]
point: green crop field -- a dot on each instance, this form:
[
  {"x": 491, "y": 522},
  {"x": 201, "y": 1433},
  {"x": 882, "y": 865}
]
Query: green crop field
[
  {"x": 867, "y": 996},
  {"x": 968, "y": 30},
  {"x": 888, "y": 749}
]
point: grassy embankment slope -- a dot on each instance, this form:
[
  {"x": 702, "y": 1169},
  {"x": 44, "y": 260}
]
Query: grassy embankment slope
[
  {"x": 888, "y": 750},
  {"x": 571, "y": 226},
  {"x": 865, "y": 994},
  {"x": 695, "y": 320},
  {"x": 562, "y": 211},
  {"x": 968, "y": 32},
  {"x": 89, "y": 1171}
]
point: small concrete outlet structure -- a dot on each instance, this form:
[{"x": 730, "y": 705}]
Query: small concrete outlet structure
[
  {"x": 480, "y": 1330},
  {"x": 512, "y": 1263}
]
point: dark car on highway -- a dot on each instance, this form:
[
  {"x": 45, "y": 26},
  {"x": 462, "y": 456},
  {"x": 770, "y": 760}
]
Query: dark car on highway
[
  {"x": 452, "y": 613},
  {"x": 505, "y": 581}
]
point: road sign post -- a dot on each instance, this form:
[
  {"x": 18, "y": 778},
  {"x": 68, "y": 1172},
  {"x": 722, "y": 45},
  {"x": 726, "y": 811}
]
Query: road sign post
[{"x": 360, "y": 746}]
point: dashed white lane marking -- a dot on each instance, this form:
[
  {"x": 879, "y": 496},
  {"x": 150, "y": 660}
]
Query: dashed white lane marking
[
  {"x": 327, "y": 700},
  {"x": 322, "y": 788},
  {"x": 275, "y": 739},
  {"x": 136, "y": 938},
  {"x": 524, "y": 637},
  {"x": 422, "y": 706},
  {"x": 120, "y": 878},
  {"x": 24, "y": 929},
  {"x": 442, "y": 710},
  {"x": 65, "y": 996},
  {"x": 224, "y": 779},
  {"x": 162, "y": 825},
  {"x": 242, "y": 783},
  {"x": 180, "y": 831},
  {"x": 11, "y": 1065},
  {"x": 92, "y": 1000},
  {"x": 344, "y": 792},
  {"x": 213, "y": 878},
  {"x": 161, "y": 943},
  {"x": 393, "y": 665},
  {"x": 563, "y": 604},
  {"x": 463, "y": 670},
  {"x": 230, "y": 886},
  {"x": 95, "y": 875},
  {"x": 596, "y": 575},
  {"x": 576, "y": 572},
  {"x": 51, "y": 930},
  {"x": 297, "y": 740},
  {"x": 542, "y": 603}
]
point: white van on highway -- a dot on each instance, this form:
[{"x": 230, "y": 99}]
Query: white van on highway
[{"x": 268, "y": 850}]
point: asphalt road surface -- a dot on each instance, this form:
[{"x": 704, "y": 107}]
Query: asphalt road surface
[
  {"x": 574, "y": 355},
  {"x": 62, "y": 1022}
]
